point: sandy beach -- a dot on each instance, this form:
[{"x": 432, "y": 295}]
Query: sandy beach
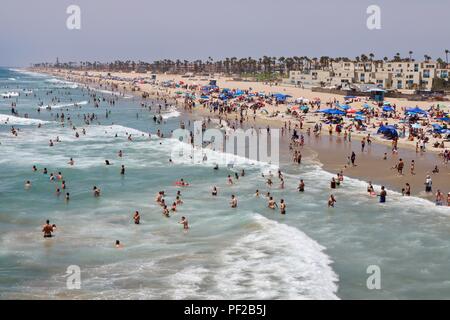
[{"x": 331, "y": 151}]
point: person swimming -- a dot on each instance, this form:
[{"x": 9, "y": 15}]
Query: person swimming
[
  {"x": 182, "y": 183},
  {"x": 122, "y": 170},
  {"x": 118, "y": 244},
  {"x": 27, "y": 184},
  {"x": 107, "y": 163},
  {"x": 214, "y": 191},
  {"x": 257, "y": 193},
  {"x": 96, "y": 191}
]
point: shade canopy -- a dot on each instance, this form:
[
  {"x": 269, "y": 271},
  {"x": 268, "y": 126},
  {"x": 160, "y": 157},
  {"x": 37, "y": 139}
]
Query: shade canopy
[
  {"x": 388, "y": 131},
  {"x": 416, "y": 110}
]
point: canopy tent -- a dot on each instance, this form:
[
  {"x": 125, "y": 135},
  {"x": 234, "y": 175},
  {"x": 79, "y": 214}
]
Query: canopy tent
[
  {"x": 416, "y": 110},
  {"x": 388, "y": 131},
  {"x": 439, "y": 129},
  {"x": 280, "y": 96},
  {"x": 333, "y": 111}
]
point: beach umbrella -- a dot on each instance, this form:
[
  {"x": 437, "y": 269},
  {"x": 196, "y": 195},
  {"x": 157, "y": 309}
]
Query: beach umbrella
[
  {"x": 295, "y": 108},
  {"x": 416, "y": 126},
  {"x": 360, "y": 118},
  {"x": 351, "y": 111},
  {"x": 388, "y": 131},
  {"x": 264, "y": 111},
  {"x": 179, "y": 92},
  {"x": 446, "y": 119},
  {"x": 388, "y": 109}
]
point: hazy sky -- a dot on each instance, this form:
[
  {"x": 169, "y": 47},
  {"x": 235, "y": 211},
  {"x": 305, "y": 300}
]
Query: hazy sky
[{"x": 35, "y": 31}]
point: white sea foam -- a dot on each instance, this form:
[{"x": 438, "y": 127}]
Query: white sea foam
[
  {"x": 114, "y": 93},
  {"x": 12, "y": 79},
  {"x": 11, "y": 94},
  {"x": 276, "y": 261},
  {"x": 65, "y": 105},
  {"x": 13, "y": 120},
  {"x": 29, "y": 73},
  {"x": 173, "y": 113}
]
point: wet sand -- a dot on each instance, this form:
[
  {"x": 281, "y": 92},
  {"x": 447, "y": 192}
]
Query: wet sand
[{"x": 332, "y": 152}]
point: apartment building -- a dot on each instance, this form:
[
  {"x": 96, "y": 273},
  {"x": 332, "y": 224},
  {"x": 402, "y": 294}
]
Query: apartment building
[{"x": 401, "y": 75}]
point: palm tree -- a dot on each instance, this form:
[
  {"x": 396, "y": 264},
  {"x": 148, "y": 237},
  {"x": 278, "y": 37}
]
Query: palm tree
[
  {"x": 410, "y": 55},
  {"x": 446, "y": 55}
]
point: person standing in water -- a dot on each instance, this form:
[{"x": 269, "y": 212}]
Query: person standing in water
[
  {"x": 184, "y": 222},
  {"x": 282, "y": 206},
  {"x": 331, "y": 201},
  {"x": 47, "y": 229},
  {"x": 301, "y": 186},
  {"x": 233, "y": 201},
  {"x": 137, "y": 217},
  {"x": 383, "y": 195}
]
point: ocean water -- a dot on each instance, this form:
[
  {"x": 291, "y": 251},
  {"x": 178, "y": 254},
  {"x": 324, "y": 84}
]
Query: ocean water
[{"x": 312, "y": 252}]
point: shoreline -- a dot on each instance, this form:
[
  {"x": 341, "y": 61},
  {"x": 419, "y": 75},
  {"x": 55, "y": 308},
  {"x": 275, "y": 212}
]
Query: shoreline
[{"x": 370, "y": 164}]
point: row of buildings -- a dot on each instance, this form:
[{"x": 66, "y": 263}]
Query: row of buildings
[{"x": 402, "y": 75}]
